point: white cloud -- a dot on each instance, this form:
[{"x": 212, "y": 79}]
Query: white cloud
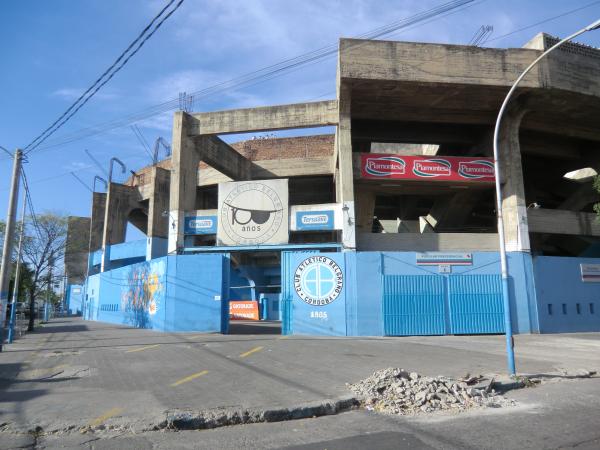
[{"x": 72, "y": 94}]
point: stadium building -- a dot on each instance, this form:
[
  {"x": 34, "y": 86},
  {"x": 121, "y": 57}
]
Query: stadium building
[{"x": 385, "y": 227}]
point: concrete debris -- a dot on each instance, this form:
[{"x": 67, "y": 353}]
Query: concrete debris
[{"x": 396, "y": 391}]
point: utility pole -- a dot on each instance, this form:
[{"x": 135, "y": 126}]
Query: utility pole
[
  {"x": 5, "y": 269},
  {"x": 49, "y": 291},
  {"x": 15, "y": 297}
]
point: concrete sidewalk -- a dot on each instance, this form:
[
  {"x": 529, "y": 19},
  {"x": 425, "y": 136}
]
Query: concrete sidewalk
[{"x": 72, "y": 373}]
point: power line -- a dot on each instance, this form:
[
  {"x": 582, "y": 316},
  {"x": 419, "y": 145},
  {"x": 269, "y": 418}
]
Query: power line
[
  {"x": 34, "y": 219},
  {"x": 566, "y": 13},
  {"x": 81, "y": 181},
  {"x": 265, "y": 73},
  {"x": 481, "y": 35},
  {"x": 141, "y": 139},
  {"x": 7, "y": 151},
  {"x": 98, "y": 84}
]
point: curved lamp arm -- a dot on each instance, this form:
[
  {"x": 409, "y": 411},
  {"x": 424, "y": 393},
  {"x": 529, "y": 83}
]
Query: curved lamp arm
[
  {"x": 501, "y": 238},
  {"x": 97, "y": 178},
  {"x": 110, "y": 170}
]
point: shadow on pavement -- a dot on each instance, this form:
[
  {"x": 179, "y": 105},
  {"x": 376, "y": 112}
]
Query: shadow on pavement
[{"x": 251, "y": 327}]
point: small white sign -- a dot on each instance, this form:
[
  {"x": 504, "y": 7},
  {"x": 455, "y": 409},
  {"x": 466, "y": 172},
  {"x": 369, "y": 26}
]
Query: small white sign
[
  {"x": 445, "y": 268},
  {"x": 590, "y": 273},
  {"x": 217, "y": 298}
]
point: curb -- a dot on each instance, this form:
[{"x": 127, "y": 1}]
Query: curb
[{"x": 222, "y": 417}]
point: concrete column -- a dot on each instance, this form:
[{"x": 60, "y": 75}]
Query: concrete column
[
  {"x": 365, "y": 209},
  {"x": 120, "y": 200},
  {"x": 158, "y": 213},
  {"x": 344, "y": 182},
  {"x": 514, "y": 207},
  {"x": 97, "y": 226},
  {"x": 184, "y": 178}
]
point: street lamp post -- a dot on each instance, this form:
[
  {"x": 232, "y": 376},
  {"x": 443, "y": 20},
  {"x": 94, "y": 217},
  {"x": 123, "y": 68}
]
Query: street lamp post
[{"x": 503, "y": 262}]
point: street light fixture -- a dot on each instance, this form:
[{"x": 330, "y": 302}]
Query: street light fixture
[{"x": 502, "y": 244}]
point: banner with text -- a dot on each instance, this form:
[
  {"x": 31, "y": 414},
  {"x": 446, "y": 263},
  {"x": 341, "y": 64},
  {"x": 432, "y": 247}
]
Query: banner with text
[{"x": 378, "y": 166}]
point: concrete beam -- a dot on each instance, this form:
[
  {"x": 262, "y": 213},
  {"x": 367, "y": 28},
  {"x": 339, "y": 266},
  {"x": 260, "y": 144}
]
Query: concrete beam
[
  {"x": 582, "y": 197},
  {"x": 271, "y": 168},
  {"x": 436, "y": 63},
  {"x": 221, "y": 156},
  {"x": 427, "y": 242},
  {"x": 416, "y": 132},
  {"x": 453, "y": 212},
  {"x": 266, "y": 118},
  {"x": 556, "y": 221}
]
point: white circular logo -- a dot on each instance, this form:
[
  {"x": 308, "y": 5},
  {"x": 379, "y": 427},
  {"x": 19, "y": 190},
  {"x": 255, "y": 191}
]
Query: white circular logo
[
  {"x": 318, "y": 280},
  {"x": 245, "y": 224}
]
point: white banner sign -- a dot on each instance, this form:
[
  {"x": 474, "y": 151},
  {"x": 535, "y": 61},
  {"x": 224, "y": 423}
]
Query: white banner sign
[{"x": 253, "y": 212}]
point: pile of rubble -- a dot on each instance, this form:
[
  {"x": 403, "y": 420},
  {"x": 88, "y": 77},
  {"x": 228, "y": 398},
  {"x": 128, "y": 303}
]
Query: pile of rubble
[{"x": 396, "y": 391}]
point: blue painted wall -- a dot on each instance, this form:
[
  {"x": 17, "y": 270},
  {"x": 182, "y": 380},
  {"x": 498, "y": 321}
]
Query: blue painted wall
[
  {"x": 363, "y": 294},
  {"x": 565, "y": 303},
  {"x": 174, "y": 293}
]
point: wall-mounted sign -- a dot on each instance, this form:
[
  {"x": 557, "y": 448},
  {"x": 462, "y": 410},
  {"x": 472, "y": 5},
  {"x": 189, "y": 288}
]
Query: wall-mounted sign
[
  {"x": 590, "y": 273},
  {"x": 314, "y": 220},
  {"x": 200, "y": 225},
  {"x": 243, "y": 310},
  {"x": 253, "y": 212},
  {"x": 444, "y": 268},
  {"x": 436, "y": 168},
  {"x": 444, "y": 258},
  {"x": 318, "y": 280}
]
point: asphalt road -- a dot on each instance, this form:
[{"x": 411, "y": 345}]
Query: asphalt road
[{"x": 73, "y": 373}]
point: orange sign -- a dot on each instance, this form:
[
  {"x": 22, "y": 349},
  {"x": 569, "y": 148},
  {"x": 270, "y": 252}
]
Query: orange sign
[{"x": 243, "y": 310}]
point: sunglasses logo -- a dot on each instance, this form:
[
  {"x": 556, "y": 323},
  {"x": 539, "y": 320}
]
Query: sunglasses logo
[
  {"x": 243, "y": 216},
  {"x": 251, "y": 213}
]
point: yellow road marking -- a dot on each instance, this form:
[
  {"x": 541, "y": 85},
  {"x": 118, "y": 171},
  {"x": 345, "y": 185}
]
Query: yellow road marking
[
  {"x": 107, "y": 415},
  {"x": 249, "y": 352},
  {"x": 142, "y": 348},
  {"x": 190, "y": 378},
  {"x": 284, "y": 337}
]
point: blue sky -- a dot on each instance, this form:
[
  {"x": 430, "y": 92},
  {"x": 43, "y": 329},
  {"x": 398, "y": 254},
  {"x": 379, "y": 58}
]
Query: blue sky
[{"x": 52, "y": 50}]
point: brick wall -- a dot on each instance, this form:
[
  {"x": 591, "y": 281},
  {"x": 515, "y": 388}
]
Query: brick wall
[{"x": 263, "y": 149}]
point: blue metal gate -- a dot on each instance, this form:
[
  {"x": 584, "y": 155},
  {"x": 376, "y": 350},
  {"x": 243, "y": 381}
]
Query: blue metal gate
[
  {"x": 437, "y": 304},
  {"x": 413, "y": 305},
  {"x": 475, "y": 304}
]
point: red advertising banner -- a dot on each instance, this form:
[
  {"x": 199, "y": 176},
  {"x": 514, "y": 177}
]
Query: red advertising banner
[{"x": 376, "y": 166}]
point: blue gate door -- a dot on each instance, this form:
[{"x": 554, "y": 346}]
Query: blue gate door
[
  {"x": 475, "y": 304},
  {"x": 413, "y": 305}
]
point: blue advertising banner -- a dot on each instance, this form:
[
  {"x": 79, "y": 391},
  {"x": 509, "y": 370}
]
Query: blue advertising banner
[
  {"x": 314, "y": 220},
  {"x": 200, "y": 225}
]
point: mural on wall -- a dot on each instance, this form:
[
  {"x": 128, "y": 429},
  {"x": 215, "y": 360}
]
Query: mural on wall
[{"x": 143, "y": 295}]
